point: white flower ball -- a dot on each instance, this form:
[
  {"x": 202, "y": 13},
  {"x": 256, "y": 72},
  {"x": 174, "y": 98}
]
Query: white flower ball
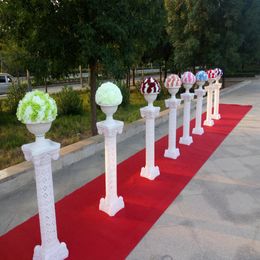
[{"x": 108, "y": 94}]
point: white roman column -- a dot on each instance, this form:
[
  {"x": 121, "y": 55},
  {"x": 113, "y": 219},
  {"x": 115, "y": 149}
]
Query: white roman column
[
  {"x": 41, "y": 154},
  {"x": 172, "y": 104},
  {"x": 150, "y": 171},
  {"x": 209, "y": 89},
  {"x": 111, "y": 204},
  {"x": 187, "y": 97},
  {"x": 200, "y": 92},
  {"x": 217, "y": 87}
]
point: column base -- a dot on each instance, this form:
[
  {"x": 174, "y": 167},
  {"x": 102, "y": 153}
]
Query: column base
[
  {"x": 208, "y": 122},
  {"x": 216, "y": 117},
  {"x": 57, "y": 252},
  {"x": 111, "y": 207},
  {"x": 173, "y": 154},
  {"x": 198, "y": 131},
  {"x": 186, "y": 140},
  {"x": 150, "y": 172}
]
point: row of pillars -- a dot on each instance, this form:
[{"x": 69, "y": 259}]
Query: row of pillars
[{"x": 43, "y": 151}]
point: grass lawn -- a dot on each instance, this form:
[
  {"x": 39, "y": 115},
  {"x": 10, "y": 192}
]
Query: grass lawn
[{"x": 65, "y": 129}]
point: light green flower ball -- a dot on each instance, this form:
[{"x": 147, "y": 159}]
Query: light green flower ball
[
  {"x": 108, "y": 94},
  {"x": 36, "y": 107}
]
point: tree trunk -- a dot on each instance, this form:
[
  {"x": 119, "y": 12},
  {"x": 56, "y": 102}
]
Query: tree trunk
[
  {"x": 133, "y": 70},
  {"x": 28, "y": 80},
  {"x": 89, "y": 76},
  {"x": 45, "y": 84},
  {"x": 165, "y": 70},
  {"x": 128, "y": 78},
  {"x": 81, "y": 79},
  {"x": 18, "y": 77},
  {"x": 160, "y": 73},
  {"x": 93, "y": 88}
]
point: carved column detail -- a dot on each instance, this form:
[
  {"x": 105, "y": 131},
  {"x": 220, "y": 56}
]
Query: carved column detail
[
  {"x": 186, "y": 138},
  {"x": 172, "y": 151},
  {"x": 198, "y": 130},
  {"x": 150, "y": 171},
  {"x": 217, "y": 87},
  {"x": 41, "y": 156},
  {"x": 111, "y": 204}
]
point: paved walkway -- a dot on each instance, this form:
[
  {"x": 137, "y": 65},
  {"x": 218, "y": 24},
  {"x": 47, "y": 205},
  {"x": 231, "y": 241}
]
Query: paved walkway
[{"x": 217, "y": 216}]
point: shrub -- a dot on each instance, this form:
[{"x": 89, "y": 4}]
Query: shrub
[
  {"x": 69, "y": 102},
  {"x": 15, "y": 94},
  {"x": 125, "y": 93}
]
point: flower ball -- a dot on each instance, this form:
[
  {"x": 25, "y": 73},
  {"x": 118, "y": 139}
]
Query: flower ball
[
  {"x": 108, "y": 94},
  {"x": 211, "y": 74},
  {"x": 218, "y": 72},
  {"x": 150, "y": 86},
  {"x": 201, "y": 76},
  {"x": 188, "y": 78},
  {"x": 36, "y": 107},
  {"x": 172, "y": 81}
]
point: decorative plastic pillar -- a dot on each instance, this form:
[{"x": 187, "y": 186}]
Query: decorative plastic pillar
[
  {"x": 217, "y": 87},
  {"x": 150, "y": 171},
  {"x": 187, "y": 97},
  {"x": 111, "y": 204},
  {"x": 209, "y": 89},
  {"x": 40, "y": 154},
  {"x": 172, "y": 104},
  {"x": 200, "y": 92}
]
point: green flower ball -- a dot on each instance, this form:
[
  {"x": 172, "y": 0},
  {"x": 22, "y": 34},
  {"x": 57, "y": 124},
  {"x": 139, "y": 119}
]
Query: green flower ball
[
  {"x": 36, "y": 107},
  {"x": 108, "y": 94}
]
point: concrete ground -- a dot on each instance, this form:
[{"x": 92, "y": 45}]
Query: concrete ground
[{"x": 217, "y": 215}]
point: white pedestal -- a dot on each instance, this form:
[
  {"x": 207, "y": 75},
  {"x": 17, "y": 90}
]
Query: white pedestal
[
  {"x": 172, "y": 151},
  {"x": 186, "y": 138},
  {"x": 217, "y": 87},
  {"x": 209, "y": 121},
  {"x": 111, "y": 204},
  {"x": 198, "y": 130},
  {"x": 150, "y": 171},
  {"x": 41, "y": 155}
]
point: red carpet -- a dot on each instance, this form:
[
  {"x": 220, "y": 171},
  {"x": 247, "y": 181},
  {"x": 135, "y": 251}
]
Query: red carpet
[{"x": 90, "y": 233}]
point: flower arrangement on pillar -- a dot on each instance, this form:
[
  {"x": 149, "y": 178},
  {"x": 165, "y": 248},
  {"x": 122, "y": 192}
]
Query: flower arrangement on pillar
[
  {"x": 173, "y": 84},
  {"x": 108, "y": 97},
  {"x": 201, "y": 78},
  {"x": 188, "y": 79},
  {"x": 217, "y": 87},
  {"x": 150, "y": 88},
  {"x": 37, "y": 110},
  {"x": 209, "y": 89}
]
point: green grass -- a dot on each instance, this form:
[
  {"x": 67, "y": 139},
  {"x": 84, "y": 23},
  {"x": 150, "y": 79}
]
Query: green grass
[{"x": 65, "y": 129}]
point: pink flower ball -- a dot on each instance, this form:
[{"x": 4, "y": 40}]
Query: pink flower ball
[
  {"x": 150, "y": 86},
  {"x": 211, "y": 74},
  {"x": 172, "y": 81},
  {"x": 188, "y": 78}
]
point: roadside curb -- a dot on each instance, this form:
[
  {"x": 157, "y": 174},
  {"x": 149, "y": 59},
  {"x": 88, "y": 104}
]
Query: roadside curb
[{"x": 15, "y": 177}]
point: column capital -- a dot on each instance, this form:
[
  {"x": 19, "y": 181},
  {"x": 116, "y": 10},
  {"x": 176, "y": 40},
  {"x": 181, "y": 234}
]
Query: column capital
[
  {"x": 217, "y": 85},
  {"x": 187, "y": 96},
  {"x": 40, "y": 153},
  {"x": 109, "y": 129},
  {"x": 200, "y": 92},
  {"x": 172, "y": 103},
  {"x": 150, "y": 112},
  {"x": 209, "y": 87}
]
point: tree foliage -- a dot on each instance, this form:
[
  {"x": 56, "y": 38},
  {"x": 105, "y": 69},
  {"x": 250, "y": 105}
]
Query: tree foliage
[{"x": 213, "y": 33}]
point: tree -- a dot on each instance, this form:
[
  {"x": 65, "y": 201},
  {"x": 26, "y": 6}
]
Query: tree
[
  {"x": 43, "y": 33},
  {"x": 191, "y": 33},
  {"x": 60, "y": 35},
  {"x": 115, "y": 34}
]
